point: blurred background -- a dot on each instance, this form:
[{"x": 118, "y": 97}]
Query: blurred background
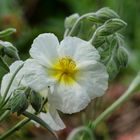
[{"x": 32, "y": 17}]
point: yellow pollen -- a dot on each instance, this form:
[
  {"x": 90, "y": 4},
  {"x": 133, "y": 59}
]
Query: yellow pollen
[{"x": 64, "y": 70}]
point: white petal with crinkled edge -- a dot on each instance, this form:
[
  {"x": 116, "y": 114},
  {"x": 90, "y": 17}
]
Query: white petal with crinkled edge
[
  {"x": 78, "y": 49},
  {"x": 44, "y": 49},
  {"x": 36, "y": 76},
  {"x": 52, "y": 119},
  {"x": 69, "y": 98},
  {"x": 94, "y": 78},
  {"x": 8, "y": 76}
]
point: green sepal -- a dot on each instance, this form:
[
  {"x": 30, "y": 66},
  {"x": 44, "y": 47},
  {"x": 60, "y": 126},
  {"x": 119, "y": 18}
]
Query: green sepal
[
  {"x": 18, "y": 102},
  {"x": 36, "y": 100}
]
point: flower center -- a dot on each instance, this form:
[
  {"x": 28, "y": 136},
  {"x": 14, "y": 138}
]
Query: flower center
[{"x": 65, "y": 70}]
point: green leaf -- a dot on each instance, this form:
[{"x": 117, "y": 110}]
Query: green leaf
[
  {"x": 40, "y": 121},
  {"x": 36, "y": 100},
  {"x": 7, "y": 32}
]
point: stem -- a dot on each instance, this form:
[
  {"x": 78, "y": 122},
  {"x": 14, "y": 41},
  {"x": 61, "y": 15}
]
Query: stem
[
  {"x": 13, "y": 129},
  {"x": 94, "y": 35},
  {"x": 6, "y": 113},
  {"x": 77, "y": 22},
  {"x": 130, "y": 91}
]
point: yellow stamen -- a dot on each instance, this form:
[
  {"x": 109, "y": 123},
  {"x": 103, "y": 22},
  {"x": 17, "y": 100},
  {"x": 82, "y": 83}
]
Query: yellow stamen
[{"x": 64, "y": 70}]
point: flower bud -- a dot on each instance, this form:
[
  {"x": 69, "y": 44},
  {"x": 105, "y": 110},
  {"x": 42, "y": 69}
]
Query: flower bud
[
  {"x": 36, "y": 101},
  {"x": 122, "y": 56},
  {"x": 7, "y": 32},
  {"x": 9, "y": 50},
  {"x": 112, "y": 69},
  {"x": 106, "y": 13},
  {"x": 111, "y": 26},
  {"x": 103, "y": 15},
  {"x": 69, "y": 21},
  {"x": 98, "y": 41},
  {"x": 18, "y": 102}
]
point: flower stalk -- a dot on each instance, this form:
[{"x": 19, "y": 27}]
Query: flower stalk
[
  {"x": 134, "y": 86},
  {"x": 78, "y": 21},
  {"x": 15, "y": 128}
]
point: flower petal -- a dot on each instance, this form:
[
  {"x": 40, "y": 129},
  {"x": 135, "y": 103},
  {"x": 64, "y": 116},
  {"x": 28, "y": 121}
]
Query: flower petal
[
  {"x": 94, "y": 78},
  {"x": 36, "y": 75},
  {"x": 69, "y": 99},
  {"x": 77, "y": 49},
  {"x": 8, "y": 76},
  {"x": 52, "y": 119},
  {"x": 44, "y": 49}
]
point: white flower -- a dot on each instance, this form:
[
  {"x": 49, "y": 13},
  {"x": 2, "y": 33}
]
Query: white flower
[
  {"x": 71, "y": 68},
  {"x": 51, "y": 117}
]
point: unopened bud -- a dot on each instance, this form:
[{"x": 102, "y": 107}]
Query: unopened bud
[
  {"x": 36, "y": 101},
  {"x": 103, "y": 15},
  {"x": 10, "y": 50},
  {"x": 69, "y": 21},
  {"x": 112, "y": 69},
  {"x": 111, "y": 26},
  {"x": 106, "y": 13},
  {"x": 18, "y": 102}
]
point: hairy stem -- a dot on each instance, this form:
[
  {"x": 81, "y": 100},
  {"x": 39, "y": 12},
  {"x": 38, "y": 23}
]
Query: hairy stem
[
  {"x": 78, "y": 21},
  {"x": 13, "y": 129},
  {"x": 130, "y": 91}
]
